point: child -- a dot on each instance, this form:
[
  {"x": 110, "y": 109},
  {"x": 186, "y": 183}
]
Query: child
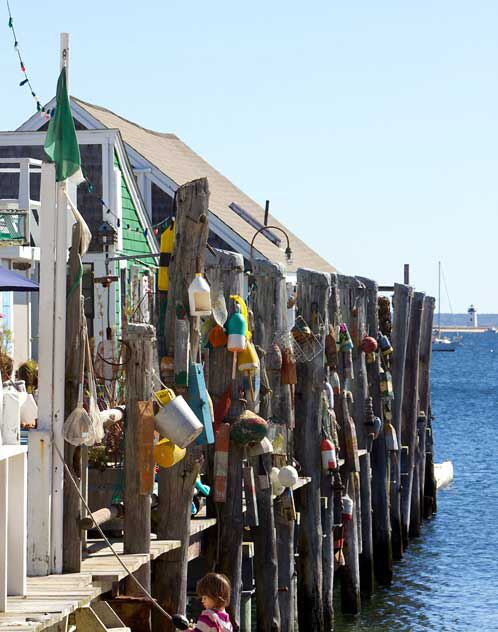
[{"x": 214, "y": 592}]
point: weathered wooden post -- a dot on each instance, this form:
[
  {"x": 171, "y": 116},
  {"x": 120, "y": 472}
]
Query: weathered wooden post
[
  {"x": 423, "y": 397},
  {"x": 75, "y": 354},
  {"x": 141, "y": 341},
  {"x": 225, "y": 271},
  {"x": 313, "y": 289},
  {"x": 401, "y": 310},
  {"x": 269, "y": 305},
  {"x": 354, "y": 313},
  {"x": 176, "y": 484},
  {"x": 344, "y": 309},
  {"x": 381, "y": 524},
  {"x": 409, "y": 410}
]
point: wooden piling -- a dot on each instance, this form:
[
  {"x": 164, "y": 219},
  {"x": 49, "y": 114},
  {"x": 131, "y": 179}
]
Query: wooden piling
[
  {"x": 313, "y": 289},
  {"x": 409, "y": 411},
  {"x": 75, "y": 354},
  {"x": 401, "y": 314},
  {"x": 354, "y": 313},
  {"x": 269, "y": 305},
  {"x": 176, "y": 483},
  {"x": 140, "y": 339},
  {"x": 423, "y": 397},
  {"x": 381, "y": 523},
  {"x": 224, "y": 271}
]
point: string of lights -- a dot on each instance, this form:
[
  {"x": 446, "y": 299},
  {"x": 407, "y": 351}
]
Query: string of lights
[{"x": 26, "y": 81}]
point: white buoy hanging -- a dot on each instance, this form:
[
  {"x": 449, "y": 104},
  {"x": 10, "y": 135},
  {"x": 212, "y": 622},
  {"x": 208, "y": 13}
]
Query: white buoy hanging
[{"x": 347, "y": 508}]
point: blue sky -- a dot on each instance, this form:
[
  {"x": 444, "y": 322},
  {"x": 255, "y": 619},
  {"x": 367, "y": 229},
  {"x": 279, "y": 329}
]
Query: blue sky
[{"x": 371, "y": 126}]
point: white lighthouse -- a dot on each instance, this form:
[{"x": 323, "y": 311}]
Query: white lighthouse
[{"x": 472, "y": 317}]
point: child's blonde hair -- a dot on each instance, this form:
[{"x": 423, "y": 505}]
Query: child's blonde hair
[{"x": 217, "y": 587}]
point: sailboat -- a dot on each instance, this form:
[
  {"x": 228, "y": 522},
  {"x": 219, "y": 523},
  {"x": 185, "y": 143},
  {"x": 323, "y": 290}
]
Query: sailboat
[{"x": 439, "y": 342}]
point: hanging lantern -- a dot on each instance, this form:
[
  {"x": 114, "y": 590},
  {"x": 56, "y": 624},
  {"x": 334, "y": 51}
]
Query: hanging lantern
[
  {"x": 199, "y": 296},
  {"x": 347, "y": 508},
  {"x": 385, "y": 345},
  {"x": 345, "y": 342},
  {"x": 288, "y": 476},
  {"x": 329, "y": 456}
]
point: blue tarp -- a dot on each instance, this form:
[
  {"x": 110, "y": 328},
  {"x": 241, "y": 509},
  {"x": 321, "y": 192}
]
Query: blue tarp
[{"x": 12, "y": 282}]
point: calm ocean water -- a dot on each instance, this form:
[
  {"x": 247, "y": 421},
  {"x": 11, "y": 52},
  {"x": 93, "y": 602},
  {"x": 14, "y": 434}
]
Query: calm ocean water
[{"x": 448, "y": 578}]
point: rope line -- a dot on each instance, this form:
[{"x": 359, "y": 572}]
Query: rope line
[{"x": 108, "y": 543}]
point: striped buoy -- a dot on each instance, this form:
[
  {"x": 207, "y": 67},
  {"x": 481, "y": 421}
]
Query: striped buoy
[
  {"x": 221, "y": 448},
  {"x": 165, "y": 249}
]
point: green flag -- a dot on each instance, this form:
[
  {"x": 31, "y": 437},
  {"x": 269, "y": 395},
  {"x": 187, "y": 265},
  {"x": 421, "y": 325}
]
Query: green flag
[{"x": 61, "y": 144}]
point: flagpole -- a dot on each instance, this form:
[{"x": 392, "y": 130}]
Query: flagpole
[{"x": 59, "y": 348}]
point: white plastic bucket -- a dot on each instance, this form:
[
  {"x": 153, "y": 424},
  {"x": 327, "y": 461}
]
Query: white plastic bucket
[{"x": 177, "y": 422}]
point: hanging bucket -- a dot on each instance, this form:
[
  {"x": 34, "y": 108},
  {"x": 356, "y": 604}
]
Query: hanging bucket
[
  {"x": 176, "y": 420},
  {"x": 166, "y": 453}
]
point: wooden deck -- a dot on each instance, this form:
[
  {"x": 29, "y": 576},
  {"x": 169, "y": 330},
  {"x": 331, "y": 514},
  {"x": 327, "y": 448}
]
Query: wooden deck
[{"x": 50, "y": 599}]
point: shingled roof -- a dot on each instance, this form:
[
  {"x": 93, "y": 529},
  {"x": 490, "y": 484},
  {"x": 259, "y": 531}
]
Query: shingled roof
[{"x": 181, "y": 164}]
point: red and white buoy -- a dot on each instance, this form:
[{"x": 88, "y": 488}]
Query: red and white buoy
[
  {"x": 347, "y": 508},
  {"x": 329, "y": 456},
  {"x": 221, "y": 448}
]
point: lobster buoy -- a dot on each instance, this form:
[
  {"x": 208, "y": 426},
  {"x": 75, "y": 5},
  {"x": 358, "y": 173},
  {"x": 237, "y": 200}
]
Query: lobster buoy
[
  {"x": 345, "y": 342},
  {"x": 347, "y": 508},
  {"x": 369, "y": 344},
  {"x": 385, "y": 345},
  {"x": 335, "y": 382},
  {"x": 386, "y": 385},
  {"x": 221, "y": 449},
  {"x": 329, "y": 456},
  {"x": 288, "y": 476},
  {"x": 331, "y": 348},
  {"x": 377, "y": 425},
  {"x": 276, "y": 486}
]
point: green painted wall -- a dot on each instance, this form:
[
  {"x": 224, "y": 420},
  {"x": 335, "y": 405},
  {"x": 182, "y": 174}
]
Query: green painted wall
[{"x": 134, "y": 240}]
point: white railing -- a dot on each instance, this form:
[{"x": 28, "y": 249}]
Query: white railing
[{"x": 16, "y": 214}]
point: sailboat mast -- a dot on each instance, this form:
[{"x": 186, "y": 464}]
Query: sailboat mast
[{"x": 439, "y": 299}]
